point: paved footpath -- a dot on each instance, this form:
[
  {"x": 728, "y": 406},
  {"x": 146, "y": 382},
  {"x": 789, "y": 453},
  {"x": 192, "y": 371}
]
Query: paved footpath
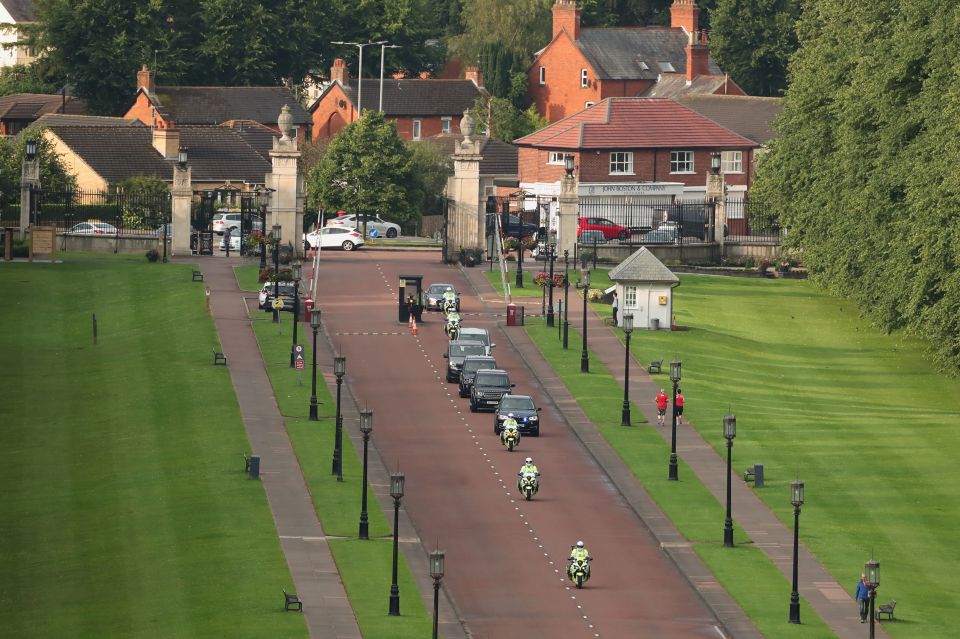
[{"x": 831, "y": 601}]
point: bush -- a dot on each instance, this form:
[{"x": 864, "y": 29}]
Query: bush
[
  {"x": 21, "y": 248},
  {"x": 153, "y": 255}
]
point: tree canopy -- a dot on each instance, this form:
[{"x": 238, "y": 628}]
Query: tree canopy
[
  {"x": 53, "y": 174},
  {"x": 864, "y": 169}
]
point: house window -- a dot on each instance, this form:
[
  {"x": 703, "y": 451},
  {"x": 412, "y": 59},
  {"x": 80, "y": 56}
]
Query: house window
[
  {"x": 445, "y": 123},
  {"x": 587, "y": 105},
  {"x": 584, "y": 80},
  {"x": 681, "y": 161},
  {"x": 621, "y": 163},
  {"x": 543, "y": 76},
  {"x": 731, "y": 161},
  {"x": 416, "y": 129},
  {"x": 629, "y": 296},
  {"x": 556, "y": 158}
]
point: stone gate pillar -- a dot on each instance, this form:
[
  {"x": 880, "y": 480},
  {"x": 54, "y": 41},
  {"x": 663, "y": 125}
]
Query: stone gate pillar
[
  {"x": 288, "y": 196},
  {"x": 716, "y": 193},
  {"x": 181, "y": 199},
  {"x": 29, "y": 178},
  {"x": 569, "y": 203},
  {"x": 466, "y": 218}
]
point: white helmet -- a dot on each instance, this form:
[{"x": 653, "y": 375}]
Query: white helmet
[
  {"x": 450, "y": 288},
  {"x": 510, "y": 415},
  {"x": 579, "y": 544},
  {"x": 529, "y": 460}
]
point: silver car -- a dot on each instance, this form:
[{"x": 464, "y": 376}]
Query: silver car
[{"x": 480, "y": 335}]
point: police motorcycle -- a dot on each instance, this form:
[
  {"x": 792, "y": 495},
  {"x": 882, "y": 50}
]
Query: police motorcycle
[
  {"x": 452, "y": 326},
  {"x": 449, "y": 302},
  {"x": 578, "y": 570},
  {"x": 510, "y": 433},
  {"x": 529, "y": 482}
]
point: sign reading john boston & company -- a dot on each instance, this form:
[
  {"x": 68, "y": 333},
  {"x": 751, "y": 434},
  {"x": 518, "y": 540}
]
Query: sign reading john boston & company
[{"x": 630, "y": 188}]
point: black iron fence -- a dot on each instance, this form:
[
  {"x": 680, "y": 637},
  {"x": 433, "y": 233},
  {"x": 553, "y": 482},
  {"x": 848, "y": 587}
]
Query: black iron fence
[
  {"x": 93, "y": 213},
  {"x": 751, "y": 221},
  {"x": 630, "y": 223}
]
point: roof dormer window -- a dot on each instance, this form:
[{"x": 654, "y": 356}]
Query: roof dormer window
[{"x": 666, "y": 67}]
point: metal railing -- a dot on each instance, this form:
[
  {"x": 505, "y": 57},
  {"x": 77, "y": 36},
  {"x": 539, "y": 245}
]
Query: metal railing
[
  {"x": 93, "y": 213},
  {"x": 750, "y": 221},
  {"x": 603, "y": 222}
]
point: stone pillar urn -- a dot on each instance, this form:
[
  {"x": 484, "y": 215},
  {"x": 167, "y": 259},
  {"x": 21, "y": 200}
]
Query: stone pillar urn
[
  {"x": 467, "y": 125},
  {"x": 285, "y": 122}
]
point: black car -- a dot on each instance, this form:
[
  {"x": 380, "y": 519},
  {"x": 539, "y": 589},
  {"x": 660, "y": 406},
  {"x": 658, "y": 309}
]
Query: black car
[
  {"x": 524, "y": 411},
  {"x": 489, "y": 386},
  {"x": 471, "y": 365},
  {"x": 457, "y": 351},
  {"x": 515, "y": 227}
]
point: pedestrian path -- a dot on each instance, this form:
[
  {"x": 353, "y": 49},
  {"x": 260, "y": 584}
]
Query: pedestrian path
[{"x": 832, "y": 602}]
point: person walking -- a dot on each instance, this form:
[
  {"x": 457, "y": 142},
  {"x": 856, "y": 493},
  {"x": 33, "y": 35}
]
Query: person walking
[
  {"x": 615, "y": 306},
  {"x": 862, "y": 595},
  {"x": 678, "y": 407},
  {"x": 661, "y": 406}
]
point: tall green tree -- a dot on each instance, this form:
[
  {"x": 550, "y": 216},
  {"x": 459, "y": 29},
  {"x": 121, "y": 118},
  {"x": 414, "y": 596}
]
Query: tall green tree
[
  {"x": 53, "y": 173},
  {"x": 23, "y": 78},
  {"x": 505, "y": 121}
]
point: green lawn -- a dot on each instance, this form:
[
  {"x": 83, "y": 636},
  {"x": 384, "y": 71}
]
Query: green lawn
[{"x": 125, "y": 511}]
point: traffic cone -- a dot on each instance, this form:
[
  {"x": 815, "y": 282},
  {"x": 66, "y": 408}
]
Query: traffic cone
[
  {"x": 410, "y": 321},
  {"x": 413, "y": 325}
]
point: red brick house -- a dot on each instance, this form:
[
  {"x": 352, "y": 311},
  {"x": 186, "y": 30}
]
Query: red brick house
[
  {"x": 580, "y": 67},
  {"x": 421, "y": 107},
  {"x": 19, "y": 110}
]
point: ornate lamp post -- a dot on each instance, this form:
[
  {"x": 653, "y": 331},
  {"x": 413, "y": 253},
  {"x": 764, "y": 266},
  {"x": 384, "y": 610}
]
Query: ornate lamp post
[
  {"x": 436, "y": 572},
  {"x": 519, "y": 244},
  {"x": 31, "y": 150},
  {"x": 396, "y": 491},
  {"x": 729, "y": 433},
  {"x": 339, "y": 369},
  {"x": 366, "y": 427},
  {"x": 276, "y": 270},
  {"x": 872, "y": 570},
  {"x": 715, "y": 163},
  {"x": 551, "y": 249},
  {"x": 796, "y": 498},
  {"x": 566, "y": 298},
  {"x": 297, "y": 270},
  {"x": 314, "y": 324},
  {"x": 263, "y": 194},
  {"x": 584, "y": 283},
  {"x": 627, "y": 330},
  {"x": 675, "y": 378}
]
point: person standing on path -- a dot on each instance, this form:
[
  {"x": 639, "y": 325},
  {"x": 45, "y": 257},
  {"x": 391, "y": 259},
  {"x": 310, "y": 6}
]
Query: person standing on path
[
  {"x": 661, "y": 407},
  {"x": 862, "y": 595},
  {"x": 615, "y": 306},
  {"x": 678, "y": 406}
]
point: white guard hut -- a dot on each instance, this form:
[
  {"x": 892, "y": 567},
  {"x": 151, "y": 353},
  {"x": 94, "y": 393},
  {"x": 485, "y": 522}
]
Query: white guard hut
[{"x": 645, "y": 288}]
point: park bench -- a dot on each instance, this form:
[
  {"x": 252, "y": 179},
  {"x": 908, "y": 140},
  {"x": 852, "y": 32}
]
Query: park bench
[
  {"x": 291, "y": 601},
  {"x": 219, "y": 358},
  {"x": 654, "y": 367},
  {"x": 197, "y": 276},
  {"x": 887, "y": 609}
]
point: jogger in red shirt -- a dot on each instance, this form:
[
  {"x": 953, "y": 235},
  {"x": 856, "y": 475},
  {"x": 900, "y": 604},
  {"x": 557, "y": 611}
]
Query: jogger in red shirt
[
  {"x": 678, "y": 407},
  {"x": 661, "y": 407}
]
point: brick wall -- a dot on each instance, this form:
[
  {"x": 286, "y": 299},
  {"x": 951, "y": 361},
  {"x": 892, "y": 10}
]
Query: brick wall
[
  {"x": 142, "y": 110},
  {"x": 562, "y": 94},
  {"x": 331, "y": 114}
]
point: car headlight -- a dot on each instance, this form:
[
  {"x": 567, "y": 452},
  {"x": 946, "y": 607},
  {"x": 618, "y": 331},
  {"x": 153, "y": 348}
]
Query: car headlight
[{"x": 534, "y": 418}]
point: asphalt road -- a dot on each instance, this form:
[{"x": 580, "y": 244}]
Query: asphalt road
[{"x": 505, "y": 556}]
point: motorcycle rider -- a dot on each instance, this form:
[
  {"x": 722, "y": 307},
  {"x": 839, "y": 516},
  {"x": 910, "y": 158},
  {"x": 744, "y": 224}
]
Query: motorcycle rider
[
  {"x": 510, "y": 427},
  {"x": 579, "y": 552},
  {"x": 449, "y": 301},
  {"x": 453, "y": 320},
  {"x": 528, "y": 468}
]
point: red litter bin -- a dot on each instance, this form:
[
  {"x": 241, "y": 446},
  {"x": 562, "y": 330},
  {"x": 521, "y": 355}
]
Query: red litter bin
[
  {"x": 307, "y": 305},
  {"x": 511, "y": 314}
]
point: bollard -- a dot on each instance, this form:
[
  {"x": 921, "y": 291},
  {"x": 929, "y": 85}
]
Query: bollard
[
  {"x": 758, "y": 475},
  {"x": 255, "y": 467}
]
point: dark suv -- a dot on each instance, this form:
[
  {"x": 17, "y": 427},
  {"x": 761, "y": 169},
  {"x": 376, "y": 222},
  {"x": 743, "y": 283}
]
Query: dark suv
[
  {"x": 489, "y": 386},
  {"x": 471, "y": 365},
  {"x": 457, "y": 351},
  {"x": 523, "y": 410}
]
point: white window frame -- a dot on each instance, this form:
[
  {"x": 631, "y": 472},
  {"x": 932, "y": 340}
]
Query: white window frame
[
  {"x": 623, "y": 159},
  {"x": 584, "y": 79},
  {"x": 446, "y": 124},
  {"x": 417, "y": 124},
  {"x": 731, "y": 161},
  {"x": 555, "y": 158},
  {"x": 588, "y": 104},
  {"x": 681, "y": 162},
  {"x": 629, "y": 296},
  {"x": 543, "y": 76}
]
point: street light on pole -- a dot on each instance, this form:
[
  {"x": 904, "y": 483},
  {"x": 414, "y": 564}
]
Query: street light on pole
[
  {"x": 796, "y": 498},
  {"x": 366, "y": 427},
  {"x": 396, "y": 491},
  {"x": 339, "y": 369},
  {"x": 314, "y": 324},
  {"x": 729, "y": 433},
  {"x": 383, "y": 56},
  {"x": 584, "y": 283},
  {"x": 675, "y": 366},
  {"x": 276, "y": 270},
  {"x": 566, "y": 299},
  {"x": 436, "y": 572},
  {"x": 297, "y": 270},
  {"x": 625, "y": 412},
  {"x": 872, "y": 570},
  {"x": 359, "y": 45},
  {"x": 551, "y": 255}
]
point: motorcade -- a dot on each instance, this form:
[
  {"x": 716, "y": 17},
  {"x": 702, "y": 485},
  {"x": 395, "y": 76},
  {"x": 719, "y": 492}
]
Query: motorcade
[
  {"x": 457, "y": 352},
  {"x": 523, "y": 409},
  {"x": 489, "y": 386},
  {"x": 481, "y": 335},
  {"x": 472, "y": 364}
]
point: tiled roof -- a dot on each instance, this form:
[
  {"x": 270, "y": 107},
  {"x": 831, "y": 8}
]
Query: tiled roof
[
  {"x": 20, "y": 10},
  {"x": 673, "y": 86},
  {"x": 217, "y": 154},
  {"x": 636, "y": 53},
  {"x": 412, "y": 97},
  {"x": 635, "y": 123},
  {"x": 258, "y": 136},
  {"x": 642, "y": 266},
  {"x": 30, "y": 106},
  {"x": 751, "y": 117},
  {"x": 215, "y": 105},
  {"x": 499, "y": 158},
  {"x": 56, "y": 119}
]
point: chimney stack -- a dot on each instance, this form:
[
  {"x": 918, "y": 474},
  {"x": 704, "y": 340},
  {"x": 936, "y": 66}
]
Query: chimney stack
[
  {"x": 339, "y": 72},
  {"x": 566, "y": 17},
  {"x": 698, "y": 56},
  {"x": 145, "y": 79},
  {"x": 473, "y": 73},
  {"x": 685, "y": 14},
  {"x": 167, "y": 141}
]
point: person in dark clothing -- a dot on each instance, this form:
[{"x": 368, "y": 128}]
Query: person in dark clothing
[{"x": 862, "y": 595}]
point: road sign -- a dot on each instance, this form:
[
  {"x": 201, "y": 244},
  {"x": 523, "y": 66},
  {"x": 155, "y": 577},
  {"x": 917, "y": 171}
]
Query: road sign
[
  {"x": 298, "y": 357},
  {"x": 278, "y": 304},
  {"x": 373, "y": 233}
]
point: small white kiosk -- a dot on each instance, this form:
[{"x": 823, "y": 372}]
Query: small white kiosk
[{"x": 645, "y": 288}]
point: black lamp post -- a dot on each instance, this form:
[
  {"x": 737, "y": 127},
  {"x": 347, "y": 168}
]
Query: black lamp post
[
  {"x": 396, "y": 491},
  {"x": 872, "y": 570},
  {"x": 520, "y": 245},
  {"x": 276, "y": 271},
  {"x": 566, "y": 298},
  {"x": 585, "y": 285},
  {"x": 339, "y": 369},
  {"x": 263, "y": 194},
  {"x": 366, "y": 427},
  {"x": 314, "y": 324},
  {"x": 675, "y": 378},
  {"x": 436, "y": 572},
  {"x": 551, "y": 248},
  {"x": 796, "y": 498},
  {"x": 568, "y": 165},
  {"x": 729, "y": 433},
  {"x": 297, "y": 270},
  {"x": 31, "y": 150},
  {"x": 627, "y": 330},
  {"x": 182, "y": 156}
]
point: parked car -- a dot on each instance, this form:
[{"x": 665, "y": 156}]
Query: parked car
[
  {"x": 515, "y": 227},
  {"x": 481, "y": 335},
  {"x": 375, "y": 222},
  {"x": 610, "y": 230},
  {"x": 334, "y": 237},
  {"x": 435, "y": 296},
  {"x": 224, "y": 220},
  {"x": 524, "y": 410},
  {"x": 234, "y": 242},
  {"x": 592, "y": 237},
  {"x": 489, "y": 386},
  {"x": 472, "y": 364},
  {"x": 457, "y": 351},
  {"x": 93, "y": 228},
  {"x": 286, "y": 290},
  {"x": 666, "y": 235}
]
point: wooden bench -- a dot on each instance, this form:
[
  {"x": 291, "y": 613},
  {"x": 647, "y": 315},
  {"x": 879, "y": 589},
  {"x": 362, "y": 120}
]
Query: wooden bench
[
  {"x": 887, "y": 609},
  {"x": 197, "y": 276},
  {"x": 291, "y": 601},
  {"x": 748, "y": 474},
  {"x": 219, "y": 359},
  {"x": 654, "y": 367}
]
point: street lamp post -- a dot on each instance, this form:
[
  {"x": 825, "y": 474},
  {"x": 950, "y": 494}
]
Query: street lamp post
[
  {"x": 729, "y": 433},
  {"x": 383, "y": 55},
  {"x": 396, "y": 491},
  {"x": 436, "y": 572},
  {"x": 297, "y": 270},
  {"x": 872, "y": 570},
  {"x": 360, "y": 45},
  {"x": 339, "y": 369},
  {"x": 566, "y": 299},
  {"x": 520, "y": 246},
  {"x": 314, "y": 324},
  {"x": 796, "y": 498},
  {"x": 627, "y": 330},
  {"x": 276, "y": 271},
  {"x": 675, "y": 378},
  {"x": 366, "y": 427},
  {"x": 263, "y": 193},
  {"x": 585, "y": 285},
  {"x": 551, "y": 248}
]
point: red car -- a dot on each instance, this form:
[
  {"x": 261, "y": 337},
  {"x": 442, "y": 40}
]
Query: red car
[{"x": 610, "y": 230}]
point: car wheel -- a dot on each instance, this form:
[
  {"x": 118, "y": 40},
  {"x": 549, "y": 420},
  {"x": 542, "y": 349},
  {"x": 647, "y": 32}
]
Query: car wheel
[
  {"x": 535, "y": 431},
  {"x": 347, "y": 245},
  {"x": 622, "y": 235},
  {"x": 473, "y": 407},
  {"x": 391, "y": 232}
]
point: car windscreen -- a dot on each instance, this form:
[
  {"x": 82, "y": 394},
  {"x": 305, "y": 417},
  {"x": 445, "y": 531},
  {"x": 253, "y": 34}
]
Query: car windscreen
[
  {"x": 478, "y": 336},
  {"x": 517, "y": 403},
  {"x": 462, "y": 350},
  {"x": 436, "y": 289},
  {"x": 470, "y": 366},
  {"x": 492, "y": 379}
]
